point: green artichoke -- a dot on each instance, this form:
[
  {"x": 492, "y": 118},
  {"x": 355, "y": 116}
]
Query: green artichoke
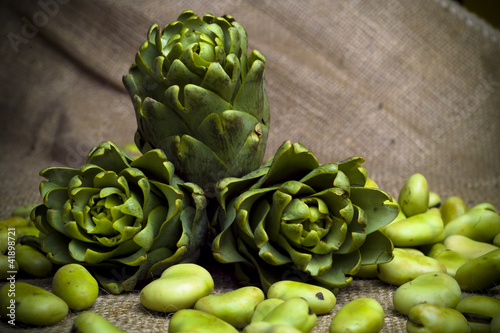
[
  {"x": 124, "y": 219},
  {"x": 200, "y": 98},
  {"x": 297, "y": 219}
]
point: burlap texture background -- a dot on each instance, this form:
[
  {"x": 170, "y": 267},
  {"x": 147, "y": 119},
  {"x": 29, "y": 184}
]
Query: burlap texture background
[{"x": 412, "y": 86}]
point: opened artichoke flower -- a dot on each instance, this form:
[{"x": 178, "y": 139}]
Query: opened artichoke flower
[
  {"x": 297, "y": 219},
  {"x": 201, "y": 98},
  {"x": 125, "y": 219}
]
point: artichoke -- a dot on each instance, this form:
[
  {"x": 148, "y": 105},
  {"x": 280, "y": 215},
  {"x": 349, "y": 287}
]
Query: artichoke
[
  {"x": 200, "y": 98},
  {"x": 297, "y": 219},
  {"x": 124, "y": 219}
]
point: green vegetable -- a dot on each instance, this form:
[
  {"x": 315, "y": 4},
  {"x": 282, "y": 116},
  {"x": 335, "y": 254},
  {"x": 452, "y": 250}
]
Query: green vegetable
[
  {"x": 418, "y": 229},
  {"x": 479, "y": 311},
  {"x": 76, "y": 286},
  {"x": 31, "y": 305},
  {"x": 295, "y": 219},
  {"x": 195, "y": 321},
  {"x": 480, "y": 223},
  {"x": 436, "y": 288},
  {"x": 200, "y": 97},
  {"x": 468, "y": 247},
  {"x": 91, "y": 322},
  {"x": 234, "y": 307},
  {"x": 414, "y": 195},
  {"x": 264, "y": 308},
  {"x": 362, "y": 315},
  {"x": 480, "y": 273},
  {"x": 452, "y": 208},
  {"x": 263, "y": 327},
  {"x": 32, "y": 261},
  {"x": 434, "y": 318},
  {"x": 179, "y": 287},
  {"x": 321, "y": 300},
  {"x": 293, "y": 312},
  {"x": 406, "y": 266},
  {"x": 125, "y": 220}
]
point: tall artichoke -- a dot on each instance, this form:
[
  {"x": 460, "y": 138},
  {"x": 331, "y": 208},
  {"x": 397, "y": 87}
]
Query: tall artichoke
[
  {"x": 124, "y": 219},
  {"x": 297, "y": 219},
  {"x": 200, "y": 98}
]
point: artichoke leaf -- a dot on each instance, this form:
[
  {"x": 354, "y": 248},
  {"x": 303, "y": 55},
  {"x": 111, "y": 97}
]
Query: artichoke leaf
[
  {"x": 157, "y": 165},
  {"x": 109, "y": 157},
  {"x": 155, "y": 220},
  {"x": 300, "y": 259},
  {"x": 59, "y": 175},
  {"x": 351, "y": 167},
  {"x": 376, "y": 249},
  {"x": 343, "y": 267},
  {"x": 378, "y": 205}
]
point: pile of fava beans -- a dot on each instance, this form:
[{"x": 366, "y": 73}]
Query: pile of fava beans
[{"x": 442, "y": 250}]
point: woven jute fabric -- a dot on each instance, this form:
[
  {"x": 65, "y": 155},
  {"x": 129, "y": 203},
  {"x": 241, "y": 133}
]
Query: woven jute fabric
[{"x": 411, "y": 86}]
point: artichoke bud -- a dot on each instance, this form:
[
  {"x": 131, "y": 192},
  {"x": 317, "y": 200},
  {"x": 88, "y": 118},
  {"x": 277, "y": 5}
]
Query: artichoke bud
[
  {"x": 295, "y": 218},
  {"x": 200, "y": 97},
  {"x": 125, "y": 219}
]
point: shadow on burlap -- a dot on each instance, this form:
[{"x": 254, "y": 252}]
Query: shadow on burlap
[{"x": 409, "y": 86}]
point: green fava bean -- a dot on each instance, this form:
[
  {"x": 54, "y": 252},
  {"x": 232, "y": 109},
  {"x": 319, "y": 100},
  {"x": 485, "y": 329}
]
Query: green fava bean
[
  {"x": 179, "y": 287},
  {"x": 76, "y": 286},
  {"x": 263, "y": 327},
  {"x": 479, "y": 310},
  {"x": 7, "y": 264},
  {"x": 32, "y": 261},
  {"x": 195, "y": 321},
  {"x": 31, "y": 305},
  {"x": 91, "y": 322},
  {"x": 416, "y": 230},
  {"x": 362, "y": 315},
  {"x": 468, "y": 247},
  {"x": 265, "y": 307},
  {"x": 480, "y": 223},
  {"x": 452, "y": 208},
  {"x": 414, "y": 195},
  {"x": 452, "y": 260},
  {"x": 235, "y": 307},
  {"x": 480, "y": 273},
  {"x": 436, "y": 249},
  {"x": 321, "y": 300},
  {"x": 406, "y": 265},
  {"x": 293, "y": 312},
  {"x": 434, "y": 200},
  {"x": 432, "y": 288},
  {"x": 433, "y": 318}
]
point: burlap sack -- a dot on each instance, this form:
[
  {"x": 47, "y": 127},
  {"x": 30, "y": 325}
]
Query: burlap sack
[{"x": 412, "y": 86}]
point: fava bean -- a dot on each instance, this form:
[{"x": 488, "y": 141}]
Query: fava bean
[
  {"x": 406, "y": 266},
  {"x": 496, "y": 240},
  {"x": 414, "y": 195},
  {"x": 436, "y": 249},
  {"x": 452, "y": 260},
  {"x": 432, "y": 288},
  {"x": 468, "y": 247},
  {"x": 434, "y": 318},
  {"x": 479, "y": 310},
  {"x": 480, "y": 223},
  {"x": 235, "y": 307},
  {"x": 495, "y": 324},
  {"x": 263, "y": 327},
  {"x": 362, "y": 315},
  {"x": 264, "y": 308},
  {"x": 76, "y": 286},
  {"x": 91, "y": 322},
  {"x": 195, "y": 321},
  {"x": 416, "y": 230},
  {"x": 452, "y": 208},
  {"x": 32, "y": 261},
  {"x": 293, "y": 312},
  {"x": 321, "y": 300},
  {"x": 179, "y": 287},
  {"x": 31, "y": 304},
  {"x": 434, "y": 200},
  {"x": 480, "y": 273}
]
